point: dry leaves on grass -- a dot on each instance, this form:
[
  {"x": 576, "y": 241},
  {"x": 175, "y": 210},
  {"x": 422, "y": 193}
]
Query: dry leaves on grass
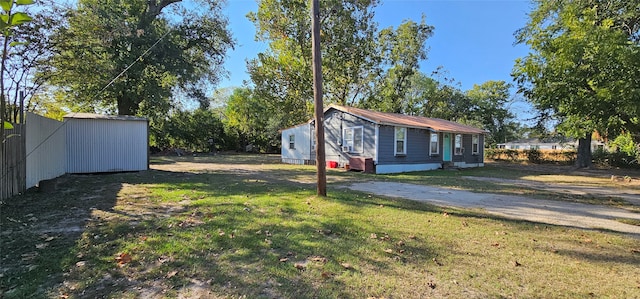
[
  {"x": 123, "y": 259},
  {"x": 171, "y": 274}
]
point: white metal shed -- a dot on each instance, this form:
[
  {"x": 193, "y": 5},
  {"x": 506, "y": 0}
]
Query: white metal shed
[{"x": 105, "y": 143}]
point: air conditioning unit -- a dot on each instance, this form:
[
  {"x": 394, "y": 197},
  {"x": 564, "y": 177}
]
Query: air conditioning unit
[{"x": 346, "y": 148}]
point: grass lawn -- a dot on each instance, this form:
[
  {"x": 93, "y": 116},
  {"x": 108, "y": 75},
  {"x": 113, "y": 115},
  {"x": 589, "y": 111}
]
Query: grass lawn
[{"x": 260, "y": 232}]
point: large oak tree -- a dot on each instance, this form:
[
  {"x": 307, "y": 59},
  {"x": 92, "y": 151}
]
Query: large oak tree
[{"x": 133, "y": 56}]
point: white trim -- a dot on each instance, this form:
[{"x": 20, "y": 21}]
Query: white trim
[
  {"x": 437, "y": 143},
  {"x": 404, "y": 141},
  {"x": 397, "y": 168},
  {"x": 376, "y": 143},
  {"x": 455, "y": 145},
  {"x": 477, "y": 150},
  {"x": 292, "y": 143},
  {"x": 353, "y": 136}
]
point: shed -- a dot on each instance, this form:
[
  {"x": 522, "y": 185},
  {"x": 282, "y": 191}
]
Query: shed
[{"x": 104, "y": 143}]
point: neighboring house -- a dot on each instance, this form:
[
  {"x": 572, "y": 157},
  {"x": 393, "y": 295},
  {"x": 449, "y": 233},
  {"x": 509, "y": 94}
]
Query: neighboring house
[
  {"x": 548, "y": 144},
  {"x": 392, "y": 142}
]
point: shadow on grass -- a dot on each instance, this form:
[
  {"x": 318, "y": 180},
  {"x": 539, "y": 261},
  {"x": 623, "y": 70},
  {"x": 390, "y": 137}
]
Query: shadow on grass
[{"x": 229, "y": 233}]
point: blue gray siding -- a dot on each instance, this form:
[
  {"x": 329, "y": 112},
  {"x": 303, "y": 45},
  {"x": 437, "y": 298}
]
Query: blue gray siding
[
  {"x": 417, "y": 147},
  {"x": 334, "y": 122},
  {"x": 468, "y": 156}
]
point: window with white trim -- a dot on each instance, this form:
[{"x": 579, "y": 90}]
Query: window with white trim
[
  {"x": 352, "y": 137},
  {"x": 400, "y": 141},
  {"x": 433, "y": 144},
  {"x": 292, "y": 141},
  {"x": 458, "y": 145},
  {"x": 475, "y": 144},
  {"x": 313, "y": 139}
]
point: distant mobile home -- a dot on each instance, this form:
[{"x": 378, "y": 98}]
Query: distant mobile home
[
  {"x": 560, "y": 144},
  {"x": 386, "y": 142}
]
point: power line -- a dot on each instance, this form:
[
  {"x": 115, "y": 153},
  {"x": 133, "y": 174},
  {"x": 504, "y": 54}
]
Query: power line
[{"x": 93, "y": 97}]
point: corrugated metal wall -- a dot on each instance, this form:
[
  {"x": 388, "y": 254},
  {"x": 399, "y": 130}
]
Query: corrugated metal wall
[
  {"x": 106, "y": 145},
  {"x": 45, "y": 149}
]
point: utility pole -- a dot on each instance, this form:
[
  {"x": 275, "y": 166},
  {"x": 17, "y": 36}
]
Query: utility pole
[{"x": 317, "y": 97}]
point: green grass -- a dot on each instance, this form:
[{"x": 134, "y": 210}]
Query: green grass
[
  {"x": 460, "y": 179},
  {"x": 228, "y": 233}
]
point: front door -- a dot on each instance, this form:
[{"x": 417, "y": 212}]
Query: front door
[{"x": 446, "y": 147}]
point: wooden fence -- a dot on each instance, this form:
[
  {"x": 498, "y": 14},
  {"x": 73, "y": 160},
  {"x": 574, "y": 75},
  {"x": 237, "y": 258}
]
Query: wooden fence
[{"x": 13, "y": 162}]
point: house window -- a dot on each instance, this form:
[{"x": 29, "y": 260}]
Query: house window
[
  {"x": 475, "y": 141},
  {"x": 458, "y": 145},
  {"x": 313, "y": 139},
  {"x": 352, "y": 137},
  {"x": 401, "y": 141},
  {"x": 292, "y": 141},
  {"x": 434, "y": 144}
]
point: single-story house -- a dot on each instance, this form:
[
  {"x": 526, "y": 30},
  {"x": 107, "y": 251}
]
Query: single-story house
[
  {"x": 385, "y": 142},
  {"x": 560, "y": 144}
]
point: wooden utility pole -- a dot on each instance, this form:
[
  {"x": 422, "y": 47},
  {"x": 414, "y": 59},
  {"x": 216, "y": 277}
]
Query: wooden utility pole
[{"x": 317, "y": 97}]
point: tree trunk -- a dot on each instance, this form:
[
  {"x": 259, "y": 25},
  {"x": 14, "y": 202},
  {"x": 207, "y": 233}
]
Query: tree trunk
[
  {"x": 127, "y": 106},
  {"x": 584, "y": 152}
]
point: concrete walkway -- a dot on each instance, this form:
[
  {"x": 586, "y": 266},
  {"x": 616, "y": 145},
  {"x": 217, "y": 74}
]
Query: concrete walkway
[{"x": 515, "y": 207}]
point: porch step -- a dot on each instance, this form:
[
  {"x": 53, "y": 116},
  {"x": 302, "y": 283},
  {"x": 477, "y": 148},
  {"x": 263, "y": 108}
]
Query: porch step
[{"x": 449, "y": 166}]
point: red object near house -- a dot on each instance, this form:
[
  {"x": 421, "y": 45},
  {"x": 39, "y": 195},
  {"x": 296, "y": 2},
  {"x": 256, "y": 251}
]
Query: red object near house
[{"x": 332, "y": 164}]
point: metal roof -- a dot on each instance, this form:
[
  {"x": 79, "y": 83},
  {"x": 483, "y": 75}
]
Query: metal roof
[
  {"x": 395, "y": 119},
  {"x": 102, "y": 116}
]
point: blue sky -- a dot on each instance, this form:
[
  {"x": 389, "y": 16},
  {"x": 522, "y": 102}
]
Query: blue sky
[{"x": 473, "y": 40}]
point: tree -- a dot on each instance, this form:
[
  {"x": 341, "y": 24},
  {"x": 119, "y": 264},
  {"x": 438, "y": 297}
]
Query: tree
[
  {"x": 402, "y": 50},
  {"x": 426, "y": 96},
  {"x": 245, "y": 117},
  {"x": 138, "y": 53},
  {"x": 584, "y": 67},
  {"x": 32, "y": 47},
  {"x": 282, "y": 74},
  {"x": 356, "y": 57},
  {"x": 489, "y": 108},
  {"x": 10, "y": 19}
]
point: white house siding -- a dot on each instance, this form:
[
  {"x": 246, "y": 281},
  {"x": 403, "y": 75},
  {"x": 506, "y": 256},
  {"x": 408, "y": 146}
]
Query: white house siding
[
  {"x": 106, "y": 144},
  {"x": 45, "y": 145},
  {"x": 301, "y": 153}
]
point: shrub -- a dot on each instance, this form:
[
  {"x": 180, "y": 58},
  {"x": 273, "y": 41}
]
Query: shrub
[{"x": 534, "y": 156}]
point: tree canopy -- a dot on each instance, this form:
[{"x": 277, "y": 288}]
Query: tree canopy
[
  {"x": 584, "y": 67},
  {"x": 356, "y": 56},
  {"x": 133, "y": 56}
]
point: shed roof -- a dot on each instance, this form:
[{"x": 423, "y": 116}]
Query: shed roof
[
  {"x": 395, "y": 119},
  {"x": 102, "y": 116}
]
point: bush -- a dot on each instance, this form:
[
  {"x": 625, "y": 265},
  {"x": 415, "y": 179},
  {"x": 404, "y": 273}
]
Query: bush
[
  {"x": 534, "y": 156},
  {"x": 615, "y": 159}
]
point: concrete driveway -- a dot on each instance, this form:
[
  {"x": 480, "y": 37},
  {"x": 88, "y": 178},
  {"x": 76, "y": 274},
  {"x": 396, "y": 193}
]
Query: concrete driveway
[{"x": 515, "y": 207}]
